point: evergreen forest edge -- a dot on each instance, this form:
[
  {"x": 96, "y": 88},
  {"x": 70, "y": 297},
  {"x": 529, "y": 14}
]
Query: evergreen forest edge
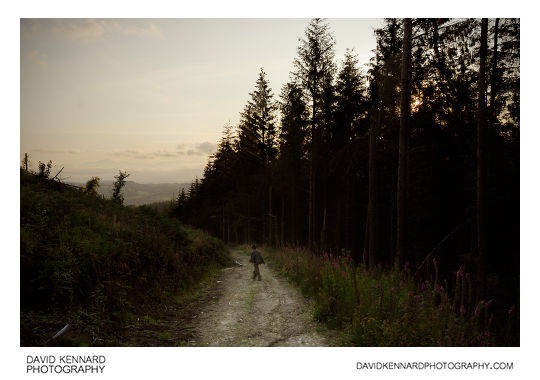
[{"x": 317, "y": 170}]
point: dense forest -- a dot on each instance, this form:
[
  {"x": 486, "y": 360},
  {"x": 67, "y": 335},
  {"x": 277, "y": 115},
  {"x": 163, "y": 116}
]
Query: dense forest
[{"x": 413, "y": 159}]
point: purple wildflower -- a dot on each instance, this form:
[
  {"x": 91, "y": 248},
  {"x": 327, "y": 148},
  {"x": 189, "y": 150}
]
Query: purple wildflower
[
  {"x": 330, "y": 299},
  {"x": 462, "y": 309},
  {"x": 344, "y": 274},
  {"x": 434, "y": 261},
  {"x": 393, "y": 289},
  {"x": 468, "y": 276},
  {"x": 406, "y": 267},
  {"x": 511, "y": 310}
]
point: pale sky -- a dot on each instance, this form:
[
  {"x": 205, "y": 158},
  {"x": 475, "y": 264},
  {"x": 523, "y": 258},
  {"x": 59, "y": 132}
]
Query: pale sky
[{"x": 151, "y": 96}]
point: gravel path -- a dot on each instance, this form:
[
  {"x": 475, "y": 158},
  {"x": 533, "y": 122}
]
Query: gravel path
[{"x": 270, "y": 312}]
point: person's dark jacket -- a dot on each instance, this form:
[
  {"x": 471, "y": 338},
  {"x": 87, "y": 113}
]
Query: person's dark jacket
[{"x": 256, "y": 258}]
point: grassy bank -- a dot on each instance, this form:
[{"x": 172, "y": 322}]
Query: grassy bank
[
  {"x": 94, "y": 263},
  {"x": 389, "y": 307}
]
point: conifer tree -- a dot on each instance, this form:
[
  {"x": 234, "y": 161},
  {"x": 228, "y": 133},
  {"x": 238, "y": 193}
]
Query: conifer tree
[
  {"x": 292, "y": 152},
  {"x": 314, "y": 68},
  {"x": 257, "y": 136}
]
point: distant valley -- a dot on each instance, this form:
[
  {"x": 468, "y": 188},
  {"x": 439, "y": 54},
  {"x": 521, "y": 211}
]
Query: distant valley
[{"x": 137, "y": 194}]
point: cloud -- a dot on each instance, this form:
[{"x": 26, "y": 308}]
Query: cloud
[
  {"x": 146, "y": 30},
  {"x": 206, "y": 147},
  {"x": 37, "y": 57},
  {"x": 200, "y": 149},
  {"x": 133, "y": 154},
  {"x": 84, "y": 30},
  {"x": 167, "y": 154},
  {"x": 56, "y": 151},
  {"x": 87, "y": 30}
]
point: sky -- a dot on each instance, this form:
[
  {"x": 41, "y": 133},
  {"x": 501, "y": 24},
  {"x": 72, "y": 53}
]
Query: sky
[{"x": 151, "y": 96}]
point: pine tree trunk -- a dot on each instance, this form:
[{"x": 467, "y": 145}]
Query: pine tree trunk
[
  {"x": 402, "y": 254},
  {"x": 282, "y": 226},
  {"x": 372, "y": 212},
  {"x": 270, "y": 215},
  {"x": 228, "y": 225},
  {"x": 223, "y": 223},
  {"x": 310, "y": 200},
  {"x": 311, "y": 211},
  {"x": 366, "y": 239},
  {"x": 480, "y": 147},
  {"x": 347, "y": 213},
  {"x": 493, "y": 90},
  {"x": 248, "y": 227},
  {"x": 322, "y": 248},
  {"x": 293, "y": 212}
]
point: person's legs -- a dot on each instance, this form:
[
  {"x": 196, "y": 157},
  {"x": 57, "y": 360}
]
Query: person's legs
[{"x": 258, "y": 272}]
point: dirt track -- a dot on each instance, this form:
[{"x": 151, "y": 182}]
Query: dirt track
[{"x": 270, "y": 312}]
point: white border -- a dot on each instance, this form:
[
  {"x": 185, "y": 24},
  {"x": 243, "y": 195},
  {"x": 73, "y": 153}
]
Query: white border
[{"x": 266, "y": 363}]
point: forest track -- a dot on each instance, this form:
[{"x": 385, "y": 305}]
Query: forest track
[
  {"x": 236, "y": 311},
  {"x": 252, "y": 313}
]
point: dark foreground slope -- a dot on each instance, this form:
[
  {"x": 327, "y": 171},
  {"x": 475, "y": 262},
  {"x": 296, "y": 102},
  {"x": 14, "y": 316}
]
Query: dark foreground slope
[{"x": 94, "y": 264}]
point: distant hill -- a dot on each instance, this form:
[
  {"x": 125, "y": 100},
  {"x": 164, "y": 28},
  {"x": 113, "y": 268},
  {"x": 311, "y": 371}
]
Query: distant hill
[{"x": 142, "y": 193}]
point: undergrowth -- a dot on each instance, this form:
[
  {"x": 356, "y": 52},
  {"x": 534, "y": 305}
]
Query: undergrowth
[
  {"x": 388, "y": 307},
  {"x": 88, "y": 260}
]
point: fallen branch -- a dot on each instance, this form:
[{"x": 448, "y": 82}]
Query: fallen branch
[
  {"x": 63, "y": 331},
  {"x": 52, "y": 179}
]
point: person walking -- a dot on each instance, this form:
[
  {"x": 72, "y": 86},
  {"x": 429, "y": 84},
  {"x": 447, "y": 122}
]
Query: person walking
[{"x": 256, "y": 259}]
